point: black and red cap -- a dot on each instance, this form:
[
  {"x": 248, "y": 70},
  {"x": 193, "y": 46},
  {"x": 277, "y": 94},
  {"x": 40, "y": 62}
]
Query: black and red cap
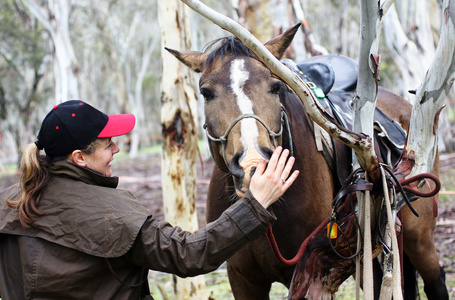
[{"x": 74, "y": 124}]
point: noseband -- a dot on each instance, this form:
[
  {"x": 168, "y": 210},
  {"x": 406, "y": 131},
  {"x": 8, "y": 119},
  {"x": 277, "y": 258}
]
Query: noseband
[{"x": 272, "y": 135}]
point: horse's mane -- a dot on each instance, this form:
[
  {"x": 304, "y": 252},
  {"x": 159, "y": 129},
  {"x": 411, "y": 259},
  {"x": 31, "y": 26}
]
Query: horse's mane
[{"x": 230, "y": 45}]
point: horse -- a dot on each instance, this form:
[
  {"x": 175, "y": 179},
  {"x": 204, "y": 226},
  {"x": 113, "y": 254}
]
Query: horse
[{"x": 249, "y": 111}]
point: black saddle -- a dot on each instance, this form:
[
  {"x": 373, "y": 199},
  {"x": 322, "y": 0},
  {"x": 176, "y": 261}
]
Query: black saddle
[{"x": 333, "y": 78}]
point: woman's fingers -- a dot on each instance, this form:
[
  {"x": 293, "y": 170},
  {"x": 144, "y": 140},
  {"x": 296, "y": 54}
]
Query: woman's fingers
[
  {"x": 269, "y": 183},
  {"x": 274, "y": 158},
  {"x": 260, "y": 167},
  {"x": 287, "y": 169},
  {"x": 291, "y": 179}
]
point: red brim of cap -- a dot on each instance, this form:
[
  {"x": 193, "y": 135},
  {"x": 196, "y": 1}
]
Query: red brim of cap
[{"x": 118, "y": 125}]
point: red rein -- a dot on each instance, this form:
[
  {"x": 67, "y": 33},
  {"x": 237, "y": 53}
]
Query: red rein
[{"x": 298, "y": 256}]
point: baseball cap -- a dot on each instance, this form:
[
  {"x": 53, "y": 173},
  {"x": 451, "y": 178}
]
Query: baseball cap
[{"x": 74, "y": 124}]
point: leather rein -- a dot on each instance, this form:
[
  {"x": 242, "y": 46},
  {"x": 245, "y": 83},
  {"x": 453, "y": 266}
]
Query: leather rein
[{"x": 357, "y": 185}]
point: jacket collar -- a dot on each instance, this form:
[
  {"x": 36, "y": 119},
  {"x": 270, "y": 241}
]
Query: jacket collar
[{"x": 67, "y": 169}]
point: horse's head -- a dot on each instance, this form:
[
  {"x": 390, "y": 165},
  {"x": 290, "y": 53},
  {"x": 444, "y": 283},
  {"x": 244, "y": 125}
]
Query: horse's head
[{"x": 244, "y": 116}]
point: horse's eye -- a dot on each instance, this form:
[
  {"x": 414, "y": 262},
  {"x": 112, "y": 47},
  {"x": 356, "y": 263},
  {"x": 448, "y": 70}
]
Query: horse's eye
[
  {"x": 276, "y": 88},
  {"x": 207, "y": 94}
]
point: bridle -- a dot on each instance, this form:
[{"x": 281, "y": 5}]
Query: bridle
[{"x": 273, "y": 135}]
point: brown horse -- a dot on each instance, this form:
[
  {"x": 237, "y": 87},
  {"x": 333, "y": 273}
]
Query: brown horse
[{"x": 249, "y": 111}]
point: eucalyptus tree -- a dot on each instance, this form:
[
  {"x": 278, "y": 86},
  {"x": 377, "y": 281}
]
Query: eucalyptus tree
[
  {"x": 180, "y": 135},
  {"x": 24, "y": 55},
  {"x": 54, "y": 17},
  {"x": 118, "y": 45}
]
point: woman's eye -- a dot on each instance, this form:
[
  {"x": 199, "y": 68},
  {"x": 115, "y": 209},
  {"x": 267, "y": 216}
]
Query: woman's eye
[
  {"x": 276, "y": 88},
  {"x": 207, "y": 94}
]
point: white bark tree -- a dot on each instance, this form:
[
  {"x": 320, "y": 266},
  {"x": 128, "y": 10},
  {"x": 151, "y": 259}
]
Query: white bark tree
[
  {"x": 371, "y": 20},
  {"x": 136, "y": 97},
  {"x": 266, "y": 19},
  {"x": 178, "y": 120},
  {"x": 369, "y": 60},
  {"x": 24, "y": 56},
  {"x": 116, "y": 67},
  {"x": 54, "y": 17},
  {"x": 406, "y": 51},
  {"x": 432, "y": 94},
  {"x": 409, "y": 33},
  {"x": 256, "y": 16}
]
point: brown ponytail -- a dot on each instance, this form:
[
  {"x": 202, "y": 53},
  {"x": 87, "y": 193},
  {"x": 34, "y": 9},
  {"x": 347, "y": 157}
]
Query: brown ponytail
[{"x": 34, "y": 177}]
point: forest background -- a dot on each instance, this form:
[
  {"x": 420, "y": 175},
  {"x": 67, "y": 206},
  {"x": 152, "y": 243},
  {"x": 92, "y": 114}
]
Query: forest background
[{"x": 108, "y": 53}]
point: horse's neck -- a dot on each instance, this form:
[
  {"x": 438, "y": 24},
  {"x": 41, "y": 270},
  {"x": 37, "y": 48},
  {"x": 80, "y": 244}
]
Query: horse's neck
[{"x": 301, "y": 128}]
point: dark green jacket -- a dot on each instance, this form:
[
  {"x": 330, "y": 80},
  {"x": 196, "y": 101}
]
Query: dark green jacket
[{"x": 97, "y": 242}]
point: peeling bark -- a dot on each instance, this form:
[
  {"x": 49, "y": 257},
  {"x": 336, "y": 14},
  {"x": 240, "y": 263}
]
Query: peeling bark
[
  {"x": 431, "y": 96},
  {"x": 178, "y": 121}
]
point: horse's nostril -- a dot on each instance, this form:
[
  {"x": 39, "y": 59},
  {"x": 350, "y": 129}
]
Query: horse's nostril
[
  {"x": 253, "y": 169},
  {"x": 267, "y": 153},
  {"x": 235, "y": 167}
]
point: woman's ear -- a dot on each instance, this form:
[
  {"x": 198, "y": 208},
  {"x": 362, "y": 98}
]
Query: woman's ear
[{"x": 78, "y": 158}]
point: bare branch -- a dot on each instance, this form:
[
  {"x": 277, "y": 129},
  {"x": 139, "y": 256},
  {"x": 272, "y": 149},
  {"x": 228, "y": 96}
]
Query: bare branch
[{"x": 360, "y": 143}]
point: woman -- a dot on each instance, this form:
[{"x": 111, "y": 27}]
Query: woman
[{"x": 66, "y": 232}]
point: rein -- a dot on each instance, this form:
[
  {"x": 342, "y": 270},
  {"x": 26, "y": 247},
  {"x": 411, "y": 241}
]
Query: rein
[
  {"x": 273, "y": 135},
  {"x": 355, "y": 186}
]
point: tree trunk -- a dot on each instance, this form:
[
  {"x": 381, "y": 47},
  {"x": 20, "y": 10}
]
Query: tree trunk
[
  {"x": 431, "y": 95},
  {"x": 371, "y": 19},
  {"x": 369, "y": 60},
  {"x": 406, "y": 51},
  {"x": 410, "y": 41},
  {"x": 256, "y": 17},
  {"x": 178, "y": 120},
  {"x": 137, "y": 105},
  {"x": 66, "y": 69}
]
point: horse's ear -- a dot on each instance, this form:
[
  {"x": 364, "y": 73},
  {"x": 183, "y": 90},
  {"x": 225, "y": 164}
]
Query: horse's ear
[
  {"x": 193, "y": 59},
  {"x": 279, "y": 44}
]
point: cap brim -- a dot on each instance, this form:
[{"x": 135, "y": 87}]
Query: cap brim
[{"x": 118, "y": 125}]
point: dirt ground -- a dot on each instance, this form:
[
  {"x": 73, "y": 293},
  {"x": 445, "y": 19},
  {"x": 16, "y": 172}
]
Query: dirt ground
[{"x": 142, "y": 177}]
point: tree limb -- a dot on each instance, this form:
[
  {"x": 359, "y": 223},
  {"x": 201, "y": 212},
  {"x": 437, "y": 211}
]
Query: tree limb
[{"x": 359, "y": 142}]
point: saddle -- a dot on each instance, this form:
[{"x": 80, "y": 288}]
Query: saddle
[{"x": 333, "y": 79}]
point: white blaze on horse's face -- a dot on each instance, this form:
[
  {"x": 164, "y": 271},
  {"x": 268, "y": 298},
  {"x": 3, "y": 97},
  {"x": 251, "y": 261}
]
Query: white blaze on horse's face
[
  {"x": 248, "y": 126},
  {"x": 249, "y": 129}
]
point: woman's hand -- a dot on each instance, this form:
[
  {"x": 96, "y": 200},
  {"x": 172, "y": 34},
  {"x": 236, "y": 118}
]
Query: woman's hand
[{"x": 269, "y": 182}]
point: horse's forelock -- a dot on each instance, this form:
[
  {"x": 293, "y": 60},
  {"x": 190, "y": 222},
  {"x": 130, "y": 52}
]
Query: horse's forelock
[{"x": 228, "y": 46}]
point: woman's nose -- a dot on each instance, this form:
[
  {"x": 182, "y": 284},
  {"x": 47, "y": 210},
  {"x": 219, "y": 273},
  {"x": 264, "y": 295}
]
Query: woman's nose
[{"x": 115, "y": 149}]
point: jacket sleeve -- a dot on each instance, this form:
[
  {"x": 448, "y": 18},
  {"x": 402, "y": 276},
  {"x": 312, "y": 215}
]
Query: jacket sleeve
[{"x": 163, "y": 247}]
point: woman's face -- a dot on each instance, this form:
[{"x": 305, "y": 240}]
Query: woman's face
[{"x": 100, "y": 159}]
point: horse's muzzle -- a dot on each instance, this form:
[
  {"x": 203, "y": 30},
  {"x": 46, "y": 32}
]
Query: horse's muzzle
[{"x": 243, "y": 168}]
